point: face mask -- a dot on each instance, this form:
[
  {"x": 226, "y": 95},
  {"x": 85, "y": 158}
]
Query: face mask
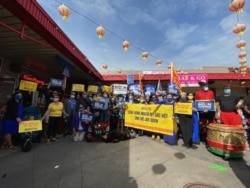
[
  {"x": 205, "y": 88},
  {"x": 18, "y": 97},
  {"x": 190, "y": 97},
  {"x": 55, "y": 99},
  {"x": 184, "y": 99},
  {"x": 227, "y": 91},
  {"x": 72, "y": 96},
  {"x": 105, "y": 95},
  {"x": 130, "y": 101},
  {"x": 169, "y": 99}
]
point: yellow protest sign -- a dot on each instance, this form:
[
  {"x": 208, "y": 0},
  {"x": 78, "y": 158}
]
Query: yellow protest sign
[
  {"x": 154, "y": 118},
  {"x": 92, "y": 89},
  {"x": 27, "y": 85},
  {"x": 183, "y": 108},
  {"x": 107, "y": 89},
  {"x": 78, "y": 87},
  {"x": 28, "y": 126}
]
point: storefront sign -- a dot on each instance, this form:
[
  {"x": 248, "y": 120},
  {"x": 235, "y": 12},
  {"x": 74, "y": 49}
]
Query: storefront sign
[
  {"x": 78, "y": 87},
  {"x": 192, "y": 79},
  {"x": 183, "y": 108},
  {"x": 29, "y": 126},
  {"x": 202, "y": 105},
  {"x": 33, "y": 79},
  {"x": 27, "y": 85}
]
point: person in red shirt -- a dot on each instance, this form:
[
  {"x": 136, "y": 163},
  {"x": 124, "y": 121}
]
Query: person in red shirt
[
  {"x": 205, "y": 94},
  {"x": 205, "y": 117}
]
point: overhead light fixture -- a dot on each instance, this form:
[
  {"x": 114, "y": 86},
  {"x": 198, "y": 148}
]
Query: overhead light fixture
[{"x": 242, "y": 82}]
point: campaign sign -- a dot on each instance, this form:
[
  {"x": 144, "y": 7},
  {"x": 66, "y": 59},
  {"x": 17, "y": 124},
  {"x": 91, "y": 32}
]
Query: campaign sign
[
  {"x": 97, "y": 105},
  {"x": 173, "y": 89},
  {"x": 150, "y": 89},
  {"x": 202, "y": 105},
  {"x": 78, "y": 87},
  {"x": 93, "y": 89},
  {"x": 86, "y": 117},
  {"x": 120, "y": 89},
  {"x": 107, "y": 89},
  {"x": 130, "y": 79},
  {"x": 183, "y": 108},
  {"x": 135, "y": 88},
  {"x": 29, "y": 126},
  {"x": 27, "y": 85},
  {"x": 56, "y": 82}
]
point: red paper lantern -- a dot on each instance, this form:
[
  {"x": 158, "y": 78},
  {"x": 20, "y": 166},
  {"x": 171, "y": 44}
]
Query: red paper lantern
[
  {"x": 239, "y": 28},
  {"x": 144, "y": 55},
  {"x": 237, "y": 6},
  {"x": 159, "y": 62},
  {"x": 241, "y": 44},
  {"x": 105, "y": 66},
  {"x": 125, "y": 45},
  {"x": 100, "y": 31},
  {"x": 64, "y": 11}
]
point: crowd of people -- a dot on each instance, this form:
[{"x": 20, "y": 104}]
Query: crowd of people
[{"x": 78, "y": 111}]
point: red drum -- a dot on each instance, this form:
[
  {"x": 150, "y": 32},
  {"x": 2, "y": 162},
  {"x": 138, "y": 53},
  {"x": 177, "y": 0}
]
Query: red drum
[{"x": 226, "y": 140}]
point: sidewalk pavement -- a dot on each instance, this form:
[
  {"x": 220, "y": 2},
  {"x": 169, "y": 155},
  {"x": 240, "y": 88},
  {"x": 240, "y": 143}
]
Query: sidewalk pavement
[{"x": 139, "y": 162}]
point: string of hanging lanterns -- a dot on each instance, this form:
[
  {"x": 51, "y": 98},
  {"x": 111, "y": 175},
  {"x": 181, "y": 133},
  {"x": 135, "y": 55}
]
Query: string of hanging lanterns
[
  {"x": 65, "y": 12},
  {"x": 239, "y": 29}
]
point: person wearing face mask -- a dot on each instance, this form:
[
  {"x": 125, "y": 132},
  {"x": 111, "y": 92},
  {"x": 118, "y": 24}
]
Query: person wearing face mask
[
  {"x": 205, "y": 93},
  {"x": 169, "y": 99},
  {"x": 55, "y": 111},
  {"x": 195, "y": 117},
  {"x": 80, "y": 123},
  {"x": 12, "y": 117},
  {"x": 205, "y": 116},
  {"x": 104, "y": 112},
  {"x": 121, "y": 113},
  {"x": 228, "y": 105},
  {"x": 186, "y": 123},
  {"x": 70, "y": 108},
  {"x": 113, "y": 111}
]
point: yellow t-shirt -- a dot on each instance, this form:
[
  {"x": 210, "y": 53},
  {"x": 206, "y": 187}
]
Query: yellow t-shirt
[{"x": 56, "y": 109}]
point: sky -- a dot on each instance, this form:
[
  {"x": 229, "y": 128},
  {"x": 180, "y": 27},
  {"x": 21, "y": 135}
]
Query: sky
[{"x": 190, "y": 33}]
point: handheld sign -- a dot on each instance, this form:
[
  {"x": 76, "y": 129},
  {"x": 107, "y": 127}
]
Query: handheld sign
[{"x": 29, "y": 126}]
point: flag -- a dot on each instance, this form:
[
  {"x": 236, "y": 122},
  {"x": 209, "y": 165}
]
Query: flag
[
  {"x": 159, "y": 88},
  {"x": 140, "y": 82},
  {"x": 175, "y": 78}
]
